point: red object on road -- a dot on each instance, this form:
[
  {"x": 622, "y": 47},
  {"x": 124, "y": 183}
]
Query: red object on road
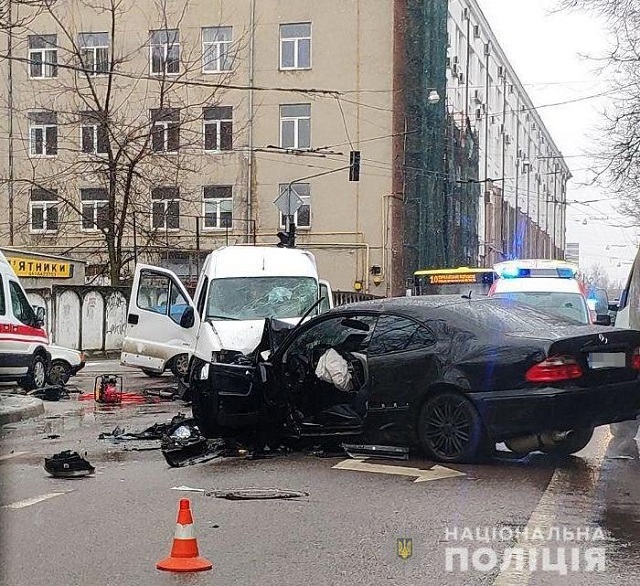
[
  {"x": 184, "y": 556},
  {"x": 108, "y": 389}
]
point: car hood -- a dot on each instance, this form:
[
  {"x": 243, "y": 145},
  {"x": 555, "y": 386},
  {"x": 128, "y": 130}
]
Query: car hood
[
  {"x": 73, "y": 357},
  {"x": 246, "y": 335}
]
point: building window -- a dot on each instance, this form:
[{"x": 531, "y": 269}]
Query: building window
[
  {"x": 216, "y": 49},
  {"x": 43, "y": 134},
  {"x": 164, "y": 50},
  {"x": 295, "y": 46},
  {"x": 94, "y": 134},
  {"x": 94, "y": 53},
  {"x": 165, "y": 130},
  {"x": 218, "y": 128},
  {"x": 218, "y": 206},
  {"x": 295, "y": 126},
  {"x": 95, "y": 208},
  {"x": 165, "y": 210},
  {"x": 43, "y": 56},
  {"x": 43, "y": 210},
  {"x": 302, "y": 217}
]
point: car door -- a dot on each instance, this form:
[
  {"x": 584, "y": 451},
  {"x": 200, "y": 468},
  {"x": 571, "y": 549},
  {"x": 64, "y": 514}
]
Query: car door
[
  {"x": 402, "y": 363},
  {"x": 154, "y": 332}
]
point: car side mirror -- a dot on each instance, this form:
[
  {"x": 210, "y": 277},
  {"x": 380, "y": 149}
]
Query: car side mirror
[
  {"x": 188, "y": 318},
  {"x": 40, "y": 315},
  {"x": 603, "y": 320}
]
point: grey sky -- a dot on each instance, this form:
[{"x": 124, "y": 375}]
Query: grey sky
[{"x": 547, "y": 50}]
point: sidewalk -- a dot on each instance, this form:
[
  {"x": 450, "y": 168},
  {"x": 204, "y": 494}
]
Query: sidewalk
[{"x": 18, "y": 407}]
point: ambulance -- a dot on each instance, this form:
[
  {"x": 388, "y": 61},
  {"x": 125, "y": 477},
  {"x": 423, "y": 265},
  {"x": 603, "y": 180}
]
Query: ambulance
[{"x": 24, "y": 352}]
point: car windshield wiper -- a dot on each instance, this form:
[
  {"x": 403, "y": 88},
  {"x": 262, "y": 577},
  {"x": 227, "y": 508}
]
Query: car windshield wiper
[{"x": 210, "y": 316}]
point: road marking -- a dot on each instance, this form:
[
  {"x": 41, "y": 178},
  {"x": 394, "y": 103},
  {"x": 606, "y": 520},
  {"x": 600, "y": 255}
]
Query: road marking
[
  {"x": 436, "y": 472},
  {"x": 565, "y": 485},
  {"x": 33, "y": 500},
  {"x": 14, "y": 455}
]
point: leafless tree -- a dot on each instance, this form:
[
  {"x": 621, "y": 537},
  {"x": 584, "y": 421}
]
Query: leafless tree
[
  {"x": 124, "y": 127},
  {"x": 620, "y": 133}
]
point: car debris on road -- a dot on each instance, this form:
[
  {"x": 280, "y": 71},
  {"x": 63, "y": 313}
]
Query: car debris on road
[{"x": 68, "y": 464}]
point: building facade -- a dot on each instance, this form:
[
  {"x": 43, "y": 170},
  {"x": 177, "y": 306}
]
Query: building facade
[{"x": 158, "y": 131}]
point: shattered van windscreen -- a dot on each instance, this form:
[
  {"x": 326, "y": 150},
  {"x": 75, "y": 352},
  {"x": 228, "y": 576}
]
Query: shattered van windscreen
[
  {"x": 247, "y": 298},
  {"x": 570, "y": 306}
]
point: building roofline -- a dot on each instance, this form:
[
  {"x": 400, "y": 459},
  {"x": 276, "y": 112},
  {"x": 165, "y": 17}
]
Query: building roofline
[{"x": 7, "y": 249}]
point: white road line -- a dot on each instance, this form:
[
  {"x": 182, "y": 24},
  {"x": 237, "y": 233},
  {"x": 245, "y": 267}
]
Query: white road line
[
  {"x": 434, "y": 473},
  {"x": 561, "y": 487},
  {"x": 33, "y": 500},
  {"x": 14, "y": 455}
]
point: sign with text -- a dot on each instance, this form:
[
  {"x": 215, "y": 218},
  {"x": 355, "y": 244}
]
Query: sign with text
[{"x": 31, "y": 267}]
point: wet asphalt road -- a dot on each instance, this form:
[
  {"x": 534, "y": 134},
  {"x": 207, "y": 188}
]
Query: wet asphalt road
[{"x": 111, "y": 529}]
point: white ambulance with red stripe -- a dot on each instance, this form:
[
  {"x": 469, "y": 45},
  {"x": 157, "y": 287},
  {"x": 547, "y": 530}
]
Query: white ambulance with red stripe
[{"x": 24, "y": 356}]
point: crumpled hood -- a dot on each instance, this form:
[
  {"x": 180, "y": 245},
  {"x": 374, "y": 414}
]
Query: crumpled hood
[{"x": 242, "y": 336}]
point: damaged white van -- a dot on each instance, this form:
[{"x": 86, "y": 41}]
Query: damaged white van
[{"x": 239, "y": 286}]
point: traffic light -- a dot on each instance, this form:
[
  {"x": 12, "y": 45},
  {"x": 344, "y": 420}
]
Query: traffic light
[{"x": 354, "y": 166}]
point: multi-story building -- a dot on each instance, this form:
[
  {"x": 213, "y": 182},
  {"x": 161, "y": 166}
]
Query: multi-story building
[{"x": 157, "y": 131}]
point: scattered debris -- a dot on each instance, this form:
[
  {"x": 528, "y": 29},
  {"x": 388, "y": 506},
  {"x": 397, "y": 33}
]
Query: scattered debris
[
  {"x": 68, "y": 464},
  {"x": 156, "y": 432},
  {"x": 52, "y": 436},
  {"x": 187, "y": 489},
  {"x": 52, "y": 393},
  {"x": 243, "y": 494},
  {"x": 621, "y": 457},
  {"x": 359, "y": 451}
]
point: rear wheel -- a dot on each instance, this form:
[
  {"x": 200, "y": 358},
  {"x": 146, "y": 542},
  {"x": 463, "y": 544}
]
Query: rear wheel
[
  {"x": 180, "y": 365},
  {"x": 576, "y": 441},
  {"x": 36, "y": 378},
  {"x": 625, "y": 429},
  {"x": 450, "y": 429}
]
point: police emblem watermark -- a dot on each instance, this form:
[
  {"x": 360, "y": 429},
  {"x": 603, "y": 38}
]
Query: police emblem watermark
[{"x": 404, "y": 547}]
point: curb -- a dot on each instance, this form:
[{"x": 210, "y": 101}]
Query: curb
[{"x": 14, "y": 409}]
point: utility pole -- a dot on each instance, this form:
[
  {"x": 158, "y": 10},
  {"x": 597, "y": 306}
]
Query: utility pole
[{"x": 10, "y": 113}]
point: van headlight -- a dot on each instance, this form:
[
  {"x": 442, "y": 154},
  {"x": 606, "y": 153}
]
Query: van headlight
[{"x": 204, "y": 372}]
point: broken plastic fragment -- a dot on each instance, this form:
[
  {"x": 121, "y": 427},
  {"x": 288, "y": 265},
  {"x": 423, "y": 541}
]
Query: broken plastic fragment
[
  {"x": 241, "y": 494},
  {"x": 68, "y": 464}
]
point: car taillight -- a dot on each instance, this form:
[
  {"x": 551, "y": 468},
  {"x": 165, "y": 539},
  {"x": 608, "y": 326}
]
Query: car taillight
[
  {"x": 554, "y": 369},
  {"x": 635, "y": 359}
]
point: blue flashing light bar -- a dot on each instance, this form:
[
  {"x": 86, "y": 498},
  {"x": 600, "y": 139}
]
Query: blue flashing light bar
[{"x": 511, "y": 270}]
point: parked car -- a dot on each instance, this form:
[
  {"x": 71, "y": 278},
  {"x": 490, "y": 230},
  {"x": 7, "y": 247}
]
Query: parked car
[
  {"x": 24, "y": 357},
  {"x": 65, "y": 363},
  {"x": 451, "y": 375}
]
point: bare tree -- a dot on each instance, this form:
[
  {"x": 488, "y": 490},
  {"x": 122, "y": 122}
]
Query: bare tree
[{"x": 128, "y": 126}]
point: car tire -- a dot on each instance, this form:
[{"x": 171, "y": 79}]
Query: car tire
[
  {"x": 451, "y": 430},
  {"x": 59, "y": 373},
  {"x": 577, "y": 441},
  {"x": 180, "y": 365},
  {"x": 36, "y": 377},
  {"x": 625, "y": 429},
  {"x": 151, "y": 373}
]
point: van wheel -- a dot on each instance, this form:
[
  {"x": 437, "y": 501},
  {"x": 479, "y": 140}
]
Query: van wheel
[
  {"x": 37, "y": 376},
  {"x": 180, "y": 365},
  {"x": 59, "y": 373}
]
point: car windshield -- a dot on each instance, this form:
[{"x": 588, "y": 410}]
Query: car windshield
[
  {"x": 570, "y": 306},
  {"x": 261, "y": 297}
]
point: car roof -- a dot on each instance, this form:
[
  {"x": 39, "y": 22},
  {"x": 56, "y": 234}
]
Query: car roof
[
  {"x": 539, "y": 284},
  {"x": 413, "y": 305}
]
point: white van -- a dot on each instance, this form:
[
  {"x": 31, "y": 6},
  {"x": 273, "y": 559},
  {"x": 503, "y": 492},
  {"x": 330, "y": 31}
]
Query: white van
[
  {"x": 628, "y": 316},
  {"x": 24, "y": 354},
  {"x": 239, "y": 287}
]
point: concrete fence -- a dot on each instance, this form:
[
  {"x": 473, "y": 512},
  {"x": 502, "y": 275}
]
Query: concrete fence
[{"x": 84, "y": 317}]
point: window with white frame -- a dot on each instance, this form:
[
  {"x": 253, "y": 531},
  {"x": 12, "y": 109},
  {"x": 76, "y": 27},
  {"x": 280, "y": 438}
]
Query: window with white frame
[
  {"x": 43, "y": 56},
  {"x": 43, "y": 134},
  {"x": 94, "y": 52},
  {"x": 217, "y": 206},
  {"x": 164, "y": 51},
  {"x": 43, "y": 210},
  {"x": 216, "y": 49},
  {"x": 94, "y": 134},
  {"x": 295, "y": 126},
  {"x": 165, "y": 130},
  {"x": 218, "y": 128},
  {"x": 95, "y": 208},
  {"x": 295, "y": 46},
  {"x": 302, "y": 217},
  {"x": 165, "y": 208}
]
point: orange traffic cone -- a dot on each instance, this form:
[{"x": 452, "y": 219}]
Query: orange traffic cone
[{"x": 184, "y": 556}]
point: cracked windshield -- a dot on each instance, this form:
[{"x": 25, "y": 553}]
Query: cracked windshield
[{"x": 319, "y": 292}]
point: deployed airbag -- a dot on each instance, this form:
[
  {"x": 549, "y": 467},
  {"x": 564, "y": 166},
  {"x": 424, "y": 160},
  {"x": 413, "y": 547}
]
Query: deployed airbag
[{"x": 334, "y": 369}]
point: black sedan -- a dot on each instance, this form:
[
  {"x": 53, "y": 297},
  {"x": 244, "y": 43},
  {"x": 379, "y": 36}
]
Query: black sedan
[{"x": 451, "y": 375}]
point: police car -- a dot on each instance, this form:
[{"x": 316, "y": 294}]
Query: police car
[
  {"x": 552, "y": 286},
  {"x": 24, "y": 354}
]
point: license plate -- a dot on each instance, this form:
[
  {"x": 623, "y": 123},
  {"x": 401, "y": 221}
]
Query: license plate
[{"x": 607, "y": 360}]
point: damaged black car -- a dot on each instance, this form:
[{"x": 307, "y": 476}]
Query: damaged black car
[{"x": 449, "y": 375}]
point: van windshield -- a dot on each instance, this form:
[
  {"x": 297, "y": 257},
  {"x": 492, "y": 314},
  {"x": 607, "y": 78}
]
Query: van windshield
[
  {"x": 566, "y": 305},
  {"x": 261, "y": 297}
]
